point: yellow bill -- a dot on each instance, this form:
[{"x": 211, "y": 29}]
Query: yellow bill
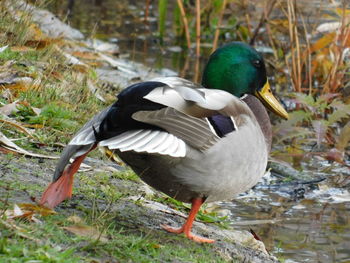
[{"x": 270, "y": 102}]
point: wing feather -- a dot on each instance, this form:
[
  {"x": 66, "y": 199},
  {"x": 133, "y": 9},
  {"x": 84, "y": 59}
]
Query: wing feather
[
  {"x": 150, "y": 141},
  {"x": 214, "y": 102},
  {"x": 183, "y": 120},
  {"x": 120, "y": 138},
  {"x": 194, "y": 131}
]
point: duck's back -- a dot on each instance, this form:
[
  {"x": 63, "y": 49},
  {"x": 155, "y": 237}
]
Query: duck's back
[{"x": 228, "y": 167}]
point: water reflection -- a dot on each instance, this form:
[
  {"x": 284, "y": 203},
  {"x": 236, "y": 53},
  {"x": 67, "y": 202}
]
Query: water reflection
[{"x": 312, "y": 229}]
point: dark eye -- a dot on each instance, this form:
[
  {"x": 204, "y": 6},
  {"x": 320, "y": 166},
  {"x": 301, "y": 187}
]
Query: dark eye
[{"x": 257, "y": 63}]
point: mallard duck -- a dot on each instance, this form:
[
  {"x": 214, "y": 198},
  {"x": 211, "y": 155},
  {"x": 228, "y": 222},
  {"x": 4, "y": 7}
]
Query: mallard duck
[{"x": 195, "y": 143}]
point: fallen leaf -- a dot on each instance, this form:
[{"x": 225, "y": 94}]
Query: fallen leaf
[
  {"x": 320, "y": 128},
  {"x": 104, "y": 46},
  {"x": 9, "y": 109},
  {"x": 87, "y": 231},
  {"x": 344, "y": 138},
  {"x": 39, "y": 44},
  {"x": 57, "y": 75},
  {"x": 86, "y": 55},
  {"x": 323, "y": 42},
  {"x": 8, "y": 144},
  {"x": 37, "y": 209},
  {"x": 75, "y": 219},
  {"x": 18, "y": 213},
  {"x": 34, "y": 126},
  {"x": 17, "y": 84},
  {"x": 156, "y": 245},
  {"x": 21, "y": 49},
  {"x": 34, "y": 32},
  {"x": 73, "y": 60},
  {"x": 328, "y": 27},
  {"x": 94, "y": 90},
  {"x": 2, "y": 49},
  {"x": 19, "y": 126}
]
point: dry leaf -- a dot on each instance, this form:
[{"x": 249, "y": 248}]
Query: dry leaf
[
  {"x": 39, "y": 44},
  {"x": 57, "y": 75},
  {"x": 73, "y": 60},
  {"x": 35, "y": 32},
  {"x": 37, "y": 209},
  {"x": 2, "y": 49},
  {"x": 94, "y": 90},
  {"x": 17, "y": 84},
  {"x": 344, "y": 138},
  {"x": 323, "y": 42},
  {"x": 22, "y": 49},
  {"x": 19, "y": 126},
  {"x": 328, "y": 27},
  {"x": 320, "y": 128},
  {"x": 86, "y": 55},
  {"x": 34, "y": 126},
  {"x": 86, "y": 231},
  {"x": 18, "y": 213},
  {"x": 8, "y": 144},
  {"x": 75, "y": 219},
  {"x": 10, "y": 108}
]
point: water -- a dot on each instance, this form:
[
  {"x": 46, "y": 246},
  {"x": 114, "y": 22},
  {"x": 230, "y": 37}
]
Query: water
[{"x": 297, "y": 222}]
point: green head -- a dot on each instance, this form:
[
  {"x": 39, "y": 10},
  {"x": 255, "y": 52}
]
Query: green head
[
  {"x": 239, "y": 69},
  {"x": 236, "y": 68}
]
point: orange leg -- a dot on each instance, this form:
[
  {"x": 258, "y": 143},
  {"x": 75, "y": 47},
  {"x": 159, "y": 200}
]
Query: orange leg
[{"x": 186, "y": 228}]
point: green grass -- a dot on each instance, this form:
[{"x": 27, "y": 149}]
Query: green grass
[
  {"x": 60, "y": 246},
  {"x": 127, "y": 174},
  {"x": 95, "y": 201},
  {"x": 18, "y": 250},
  {"x": 128, "y": 241}
]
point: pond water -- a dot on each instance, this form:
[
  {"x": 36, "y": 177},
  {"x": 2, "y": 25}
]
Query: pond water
[{"x": 300, "y": 221}]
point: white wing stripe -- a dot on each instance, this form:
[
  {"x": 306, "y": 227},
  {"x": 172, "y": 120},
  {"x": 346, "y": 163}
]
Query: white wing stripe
[
  {"x": 151, "y": 141},
  {"x": 173, "y": 147},
  {"x": 120, "y": 138},
  {"x": 142, "y": 144},
  {"x": 166, "y": 144},
  {"x": 129, "y": 145},
  {"x": 157, "y": 141}
]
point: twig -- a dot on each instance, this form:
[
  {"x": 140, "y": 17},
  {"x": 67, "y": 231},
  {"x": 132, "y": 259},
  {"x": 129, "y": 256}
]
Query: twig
[
  {"x": 294, "y": 45},
  {"x": 198, "y": 27},
  {"x": 184, "y": 20},
  {"x": 308, "y": 56},
  {"x": 335, "y": 76},
  {"x": 217, "y": 30},
  {"x": 196, "y": 70},
  {"x": 145, "y": 19},
  {"x": 264, "y": 17}
]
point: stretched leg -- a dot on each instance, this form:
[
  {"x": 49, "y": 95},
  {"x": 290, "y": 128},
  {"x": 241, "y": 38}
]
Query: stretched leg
[{"x": 186, "y": 228}]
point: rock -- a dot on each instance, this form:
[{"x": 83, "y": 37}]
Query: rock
[{"x": 48, "y": 22}]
